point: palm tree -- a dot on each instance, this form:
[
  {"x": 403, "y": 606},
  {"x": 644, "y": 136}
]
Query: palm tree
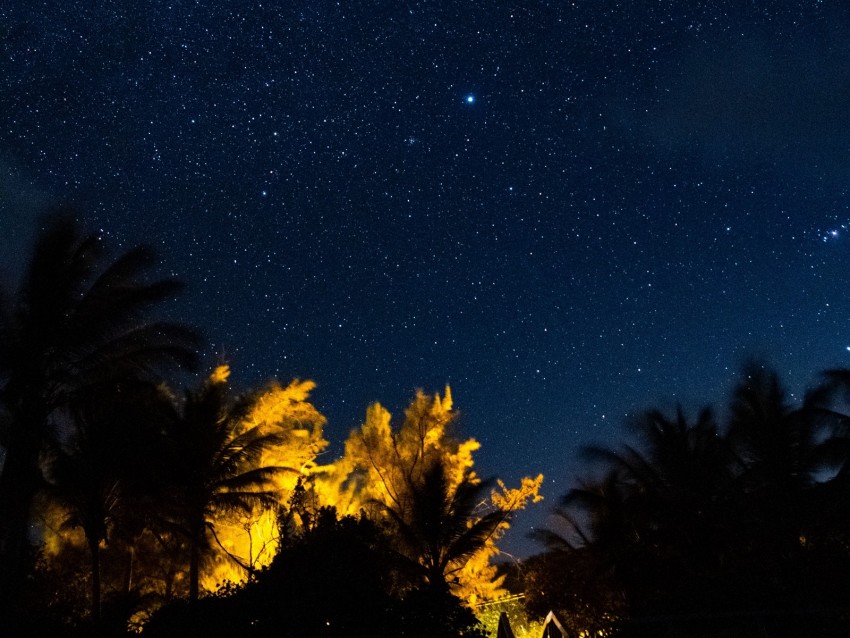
[
  {"x": 70, "y": 325},
  {"x": 216, "y": 465},
  {"x": 775, "y": 442},
  {"x": 655, "y": 517},
  {"x": 695, "y": 521},
  {"x": 439, "y": 528},
  {"x": 104, "y": 472},
  {"x": 792, "y": 501},
  {"x": 588, "y": 559}
]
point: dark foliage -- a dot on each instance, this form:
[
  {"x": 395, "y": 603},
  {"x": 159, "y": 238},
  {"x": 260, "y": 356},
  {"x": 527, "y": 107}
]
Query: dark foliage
[
  {"x": 585, "y": 596},
  {"x": 337, "y": 578},
  {"x": 702, "y": 532},
  {"x": 436, "y": 527},
  {"x": 214, "y": 465},
  {"x": 75, "y": 322}
]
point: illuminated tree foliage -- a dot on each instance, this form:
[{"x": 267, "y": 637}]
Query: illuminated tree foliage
[
  {"x": 139, "y": 496},
  {"x": 172, "y": 496},
  {"x": 229, "y": 456},
  {"x": 420, "y": 477},
  {"x": 248, "y": 540}
]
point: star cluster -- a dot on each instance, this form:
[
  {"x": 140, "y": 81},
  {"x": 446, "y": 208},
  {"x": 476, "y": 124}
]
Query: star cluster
[{"x": 568, "y": 211}]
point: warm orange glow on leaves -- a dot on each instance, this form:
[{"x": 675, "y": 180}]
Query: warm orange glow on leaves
[
  {"x": 244, "y": 544},
  {"x": 477, "y": 580},
  {"x": 220, "y": 375},
  {"x": 54, "y": 531},
  {"x": 380, "y": 463}
]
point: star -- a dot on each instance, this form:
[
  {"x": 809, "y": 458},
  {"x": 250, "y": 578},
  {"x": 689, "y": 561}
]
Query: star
[{"x": 515, "y": 233}]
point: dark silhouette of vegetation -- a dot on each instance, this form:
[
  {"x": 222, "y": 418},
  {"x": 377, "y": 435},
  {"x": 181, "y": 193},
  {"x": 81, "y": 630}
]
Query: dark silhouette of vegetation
[
  {"x": 703, "y": 530},
  {"x": 436, "y": 526},
  {"x": 75, "y": 321},
  {"x": 113, "y": 490},
  {"x": 336, "y": 577},
  {"x": 216, "y": 465},
  {"x": 102, "y": 472}
]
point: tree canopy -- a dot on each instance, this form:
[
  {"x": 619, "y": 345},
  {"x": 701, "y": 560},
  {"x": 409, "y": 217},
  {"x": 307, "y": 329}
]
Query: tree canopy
[
  {"x": 127, "y": 504},
  {"x": 709, "y": 528}
]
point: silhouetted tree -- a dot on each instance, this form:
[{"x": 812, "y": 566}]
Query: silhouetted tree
[
  {"x": 335, "y": 577},
  {"x": 701, "y": 529},
  {"x": 655, "y": 519},
  {"x": 575, "y": 583},
  {"x": 216, "y": 465},
  {"x": 74, "y": 322},
  {"x": 437, "y": 526},
  {"x": 106, "y": 469},
  {"x": 599, "y": 540}
]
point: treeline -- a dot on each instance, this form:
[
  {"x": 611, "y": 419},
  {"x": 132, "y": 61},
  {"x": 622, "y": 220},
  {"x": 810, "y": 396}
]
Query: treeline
[
  {"x": 702, "y": 527},
  {"x": 128, "y": 504}
]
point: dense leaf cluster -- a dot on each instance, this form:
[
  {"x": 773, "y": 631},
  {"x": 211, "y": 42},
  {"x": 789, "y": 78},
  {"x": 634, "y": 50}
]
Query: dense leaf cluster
[
  {"x": 338, "y": 577},
  {"x": 703, "y": 529},
  {"x": 114, "y": 490}
]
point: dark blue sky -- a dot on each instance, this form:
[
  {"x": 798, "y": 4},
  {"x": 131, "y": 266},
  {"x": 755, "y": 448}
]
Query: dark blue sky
[{"x": 635, "y": 200}]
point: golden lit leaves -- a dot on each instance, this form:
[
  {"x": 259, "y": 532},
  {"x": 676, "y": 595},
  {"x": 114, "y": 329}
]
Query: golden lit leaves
[
  {"x": 447, "y": 399},
  {"x": 381, "y": 465},
  {"x": 247, "y": 543},
  {"x": 298, "y": 424},
  {"x": 288, "y": 407},
  {"x": 510, "y": 500},
  {"x": 477, "y": 580},
  {"x": 383, "y": 469},
  {"x": 378, "y": 461},
  {"x": 220, "y": 375}
]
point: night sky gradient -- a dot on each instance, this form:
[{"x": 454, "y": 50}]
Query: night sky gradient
[{"x": 567, "y": 210}]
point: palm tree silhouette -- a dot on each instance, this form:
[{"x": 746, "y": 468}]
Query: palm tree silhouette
[
  {"x": 654, "y": 518},
  {"x": 72, "y": 323},
  {"x": 104, "y": 473},
  {"x": 216, "y": 465},
  {"x": 698, "y": 521},
  {"x": 437, "y": 527},
  {"x": 784, "y": 453}
]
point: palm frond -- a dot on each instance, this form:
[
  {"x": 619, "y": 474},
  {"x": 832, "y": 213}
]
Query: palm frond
[{"x": 256, "y": 479}]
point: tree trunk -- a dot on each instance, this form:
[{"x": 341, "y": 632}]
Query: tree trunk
[
  {"x": 94, "y": 549},
  {"x": 194, "y": 566},
  {"x": 128, "y": 570}
]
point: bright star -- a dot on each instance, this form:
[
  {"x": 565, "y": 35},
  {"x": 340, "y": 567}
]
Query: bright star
[{"x": 469, "y": 99}]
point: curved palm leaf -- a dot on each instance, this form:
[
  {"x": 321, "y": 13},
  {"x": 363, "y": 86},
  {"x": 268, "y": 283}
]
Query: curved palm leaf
[{"x": 217, "y": 465}]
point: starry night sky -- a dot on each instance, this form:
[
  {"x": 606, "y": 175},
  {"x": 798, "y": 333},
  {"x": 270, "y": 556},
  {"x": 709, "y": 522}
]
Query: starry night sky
[{"x": 567, "y": 210}]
